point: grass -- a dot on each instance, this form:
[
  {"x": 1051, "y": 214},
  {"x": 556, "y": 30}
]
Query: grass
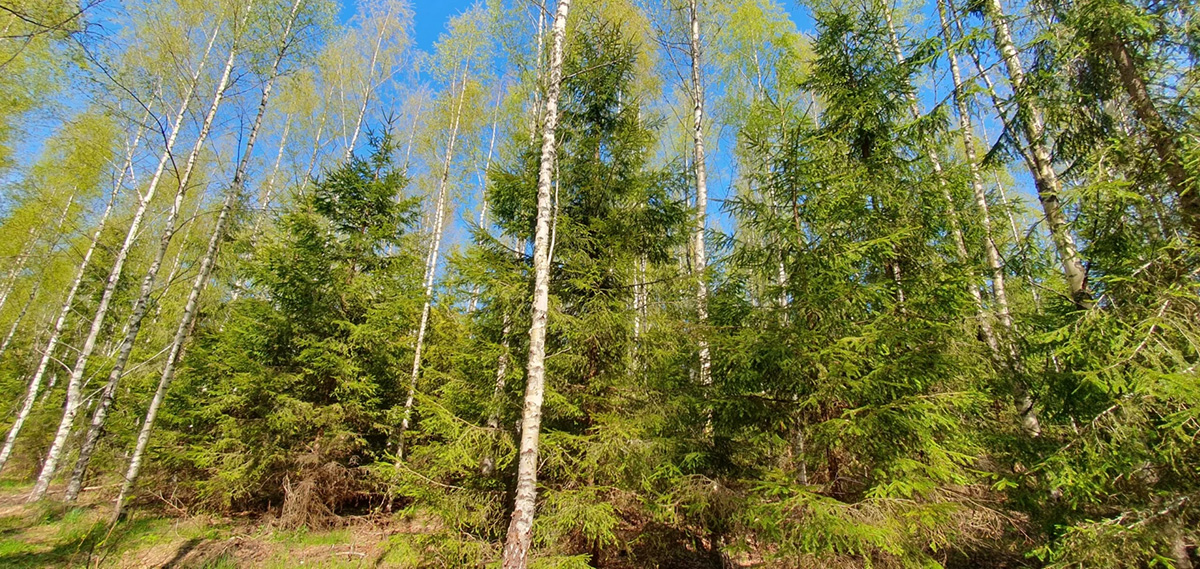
[{"x": 51, "y": 535}]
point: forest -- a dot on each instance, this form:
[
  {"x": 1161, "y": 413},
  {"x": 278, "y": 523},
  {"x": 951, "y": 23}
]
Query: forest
[{"x": 601, "y": 283}]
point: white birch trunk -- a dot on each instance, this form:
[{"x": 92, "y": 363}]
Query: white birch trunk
[
  {"x": 36, "y": 287},
  {"x": 1041, "y": 166},
  {"x": 74, "y": 384},
  {"x": 15, "y": 273},
  {"x": 316, "y": 152},
  {"x": 35, "y": 381},
  {"x": 488, "y": 464},
  {"x": 520, "y": 528},
  {"x": 134, "y": 325},
  {"x": 435, "y": 245},
  {"x": 1023, "y": 401},
  {"x": 367, "y": 90},
  {"x": 699, "y": 263},
  {"x": 177, "y": 262},
  {"x": 232, "y": 195},
  {"x": 12, "y": 330},
  {"x": 483, "y": 203}
]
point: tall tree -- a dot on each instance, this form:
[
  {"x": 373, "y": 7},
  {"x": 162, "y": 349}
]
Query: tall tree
[
  {"x": 35, "y": 380},
  {"x": 1031, "y": 119},
  {"x": 133, "y": 326},
  {"x": 520, "y": 528},
  {"x": 464, "y": 45},
  {"x": 233, "y": 195}
]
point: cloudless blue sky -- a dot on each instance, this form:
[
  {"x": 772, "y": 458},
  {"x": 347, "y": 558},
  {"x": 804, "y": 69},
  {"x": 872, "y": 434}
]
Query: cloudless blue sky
[{"x": 430, "y": 16}]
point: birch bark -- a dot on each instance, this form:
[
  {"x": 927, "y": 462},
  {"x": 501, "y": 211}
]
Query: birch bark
[
  {"x": 699, "y": 262},
  {"x": 75, "y": 382},
  {"x": 431, "y": 259},
  {"x": 35, "y": 381},
  {"x": 134, "y": 326},
  {"x": 520, "y": 528},
  {"x": 1023, "y": 401},
  {"x": 1041, "y": 164},
  {"x": 232, "y": 196}
]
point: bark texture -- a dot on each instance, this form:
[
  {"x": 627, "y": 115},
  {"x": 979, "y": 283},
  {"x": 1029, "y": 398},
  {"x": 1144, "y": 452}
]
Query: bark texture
[
  {"x": 1041, "y": 163},
  {"x": 431, "y": 259},
  {"x": 520, "y": 528},
  {"x": 75, "y": 382}
]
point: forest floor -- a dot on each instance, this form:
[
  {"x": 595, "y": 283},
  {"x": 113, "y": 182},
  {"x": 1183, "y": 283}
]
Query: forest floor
[
  {"x": 159, "y": 535},
  {"x": 49, "y": 535}
]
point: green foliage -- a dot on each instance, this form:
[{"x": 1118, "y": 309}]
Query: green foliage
[
  {"x": 860, "y": 409},
  {"x": 302, "y": 372}
]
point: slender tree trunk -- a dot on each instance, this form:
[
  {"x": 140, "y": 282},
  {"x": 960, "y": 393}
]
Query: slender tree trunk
[
  {"x": 986, "y": 331},
  {"x": 174, "y": 353},
  {"x": 1023, "y": 400},
  {"x": 1016, "y": 233},
  {"x": 177, "y": 262},
  {"x": 1163, "y": 137},
  {"x": 12, "y": 330},
  {"x": 1041, "y": 165},
  {"x": 33, "y": 290},
  {"x": 268, "y": 193},
  {"x": 35, "y": 381},
  {"x": 431, "y": 259},
  {"x": 75, "y": 383},
  {"x": 264, "y": 203},
  {"x": 134, "y": 325},
  {"x": 312, "y": 162},
  {"x": 483, "y": 203},
  {"x": 699, "y": 263},
  {"x": 412, "y": 135},
  {"x": 367, "y": 90},
  {"x": 520, "y": 528}
]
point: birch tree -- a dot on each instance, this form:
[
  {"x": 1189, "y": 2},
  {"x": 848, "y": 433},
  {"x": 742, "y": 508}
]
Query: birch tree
[
  {"x": 35, "y": 380},
  {"x": 385, "y": 25},
  {"x": 700, "y": 172},
  {"x": 74, "y": 385},
  {"x": 1031, "y": 119},
  {"x": 1024, "y": 402},
  {"x": 464, "y": 44},
  {"x": 520, "y": 528},
  {"x": 232, "y": 196}
]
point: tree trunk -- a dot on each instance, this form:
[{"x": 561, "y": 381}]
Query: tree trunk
[
  {"x": 35, "y": 381},
  {"x": 177, "y": 262},
  {"x": 520, "y": 528},
  {"x": 367, "y": 89},
  {"x": 1024, "y": 402},
  {"x": 1163, "y": 137},
  {"x": 268, "y": 193},
  {"x": 134, "y": 325},
  {"x": 431, "y": 259},
  {"x": 312, "y": 163},
  {"x": 483, "y": 203},
  {"x": 15, "y": 273},
  {"x": 37, "y": 285},
  {"x": 1041, "y": 165},
  {"x": 74, "y": 384},
  {"x": 232, "y": 197},
  {"x": 699, "y": 263},
  {"x": 12, "y": 330}
]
